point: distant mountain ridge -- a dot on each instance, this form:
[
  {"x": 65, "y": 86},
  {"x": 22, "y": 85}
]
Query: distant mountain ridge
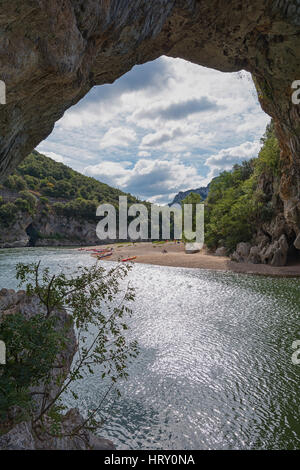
[{"x": 183, "y": 194}]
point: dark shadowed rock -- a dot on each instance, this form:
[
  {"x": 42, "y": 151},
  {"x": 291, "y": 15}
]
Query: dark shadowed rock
[
  {"x": 254, "y": 256},
  {"x": 274, "y": 253},
  {"x": 297, "y": 242},
  {"x": 18, "y": 438},
  {"x": 23, "y": 437}
]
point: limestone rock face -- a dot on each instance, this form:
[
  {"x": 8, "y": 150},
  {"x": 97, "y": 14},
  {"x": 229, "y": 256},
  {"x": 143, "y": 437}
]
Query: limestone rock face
[
  {"x": 274, "y": 253},
  {"x": 16, "y": 236},
  {"x": 254, "y": 256},
  {"x": 22, "y": 436},
  {"x": 242, "y": 252},
  {"x": 297, "y": 242},
  {"x": 53, "y": 230},
  {"x": 86, "y": 440},
  {"x": 53, "y": 52},
  {"x": 18, "y": 438},
  {"x": 222, "y": 251}
]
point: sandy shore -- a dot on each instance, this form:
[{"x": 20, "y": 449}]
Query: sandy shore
[{"x": 173, "y": 254}]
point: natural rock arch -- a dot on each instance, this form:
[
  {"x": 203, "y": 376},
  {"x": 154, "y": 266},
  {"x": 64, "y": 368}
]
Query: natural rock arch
[{"x": 52, "y": 52}]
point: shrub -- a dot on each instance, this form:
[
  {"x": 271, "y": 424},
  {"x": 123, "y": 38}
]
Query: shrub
[
  {"x": 30, "y": 198},
  {"x": 22, "y": 204},
  {"x": 15, "y": 183},
  {"x": 32, "y": 346},
  {"x": 8, "y": 213},
  {"x": 44, "y": 200}
]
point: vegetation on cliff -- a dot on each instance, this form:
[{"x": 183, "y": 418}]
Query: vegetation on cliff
[
  {"x": 238, "y": 201},
  {"x": 57, "y": 188}
]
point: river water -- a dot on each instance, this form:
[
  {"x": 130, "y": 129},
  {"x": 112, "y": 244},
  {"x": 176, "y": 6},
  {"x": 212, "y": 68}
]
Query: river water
[{"x": 215, "y": 368}]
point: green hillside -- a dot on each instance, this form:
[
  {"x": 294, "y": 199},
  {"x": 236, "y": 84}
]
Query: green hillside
[{"x": 56, "y": 187}]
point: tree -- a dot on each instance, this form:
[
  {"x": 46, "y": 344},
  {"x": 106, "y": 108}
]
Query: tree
[
  {"x": 8, "y": 213},
  {"x": 98, "y": 307},
  {"x": 30, "y": 198},
  {"x": 236, "y": 204},
  {"x": 15, "y": 183}
]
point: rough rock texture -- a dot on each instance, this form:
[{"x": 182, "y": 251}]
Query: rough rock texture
[
  {"x": 18, "y": 438},
  {"x": 22, "y": 435},
  {"x": 275, "y": 241},
  {"x": 275, "y": 253},
  {"x": 46, "y": 228},
  {"x": 52, "y": 52},
  {"x": 242, "y": 252},
  {"x": 55, "y": 231},
  {"x": 222, "y": 251}
]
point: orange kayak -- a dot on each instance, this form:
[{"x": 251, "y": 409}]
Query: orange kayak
[{"x": 128, "y": 259}]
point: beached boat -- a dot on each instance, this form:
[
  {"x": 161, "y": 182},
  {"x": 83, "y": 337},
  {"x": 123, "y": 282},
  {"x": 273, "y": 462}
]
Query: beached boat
[
  {"x": 192, "y": 248},
  {"x": 128, "y": 259}
]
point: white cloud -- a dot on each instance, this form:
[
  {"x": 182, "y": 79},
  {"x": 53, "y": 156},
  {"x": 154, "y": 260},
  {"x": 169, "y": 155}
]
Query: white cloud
[
  {"x": 177, "y": 111},
  {"x": 189, "y": 121},
  {"x": 110, "y": 172},
  {"x": 58, "y": 158},
  {"x": 152, "y": 179},
  {"x": 143, "y": 153},
  {"x": 226, "y": 158},
  {"x": 161, "y": 137},
  {"x": 118, "y": 137}
]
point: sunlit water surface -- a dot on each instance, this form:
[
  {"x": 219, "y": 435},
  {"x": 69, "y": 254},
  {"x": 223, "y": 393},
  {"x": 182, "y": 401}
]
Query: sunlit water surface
[{"x": 215, "y": 368}]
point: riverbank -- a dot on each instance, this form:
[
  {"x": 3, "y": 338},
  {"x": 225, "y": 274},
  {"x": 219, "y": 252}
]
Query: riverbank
[{"x": 173, "y": 254}]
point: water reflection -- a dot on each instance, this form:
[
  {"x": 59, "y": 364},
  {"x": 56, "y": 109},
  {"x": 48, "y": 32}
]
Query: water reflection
[{"x": 215, "y": 369}]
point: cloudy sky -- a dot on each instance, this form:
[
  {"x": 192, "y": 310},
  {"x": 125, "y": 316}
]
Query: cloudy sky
[{"x": 165, "y": 126}]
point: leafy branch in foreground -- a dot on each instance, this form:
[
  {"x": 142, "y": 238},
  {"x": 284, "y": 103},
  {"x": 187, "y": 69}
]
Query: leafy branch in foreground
[{"x": 99, "y": 307}]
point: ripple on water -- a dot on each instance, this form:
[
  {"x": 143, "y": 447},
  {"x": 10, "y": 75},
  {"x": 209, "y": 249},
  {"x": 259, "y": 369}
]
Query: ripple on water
[{"x": 215, "y": 368}]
